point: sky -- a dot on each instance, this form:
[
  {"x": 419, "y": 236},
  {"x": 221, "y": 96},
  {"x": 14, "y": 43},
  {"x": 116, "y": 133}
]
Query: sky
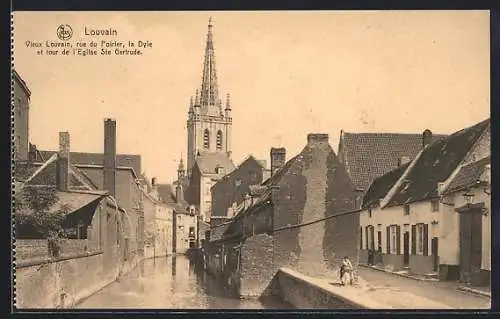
[{"x": 288, "y": 73}]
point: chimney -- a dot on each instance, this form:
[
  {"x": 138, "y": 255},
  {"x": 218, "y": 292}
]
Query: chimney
[
  {"x": 153, "y": 182},
  {"x": 179, "y": 195},
  {"x": 278, "y": 159},
  {"x": 403, "y": 160},
  {"x": 62, "y": 164},
  {"x": 110, "y": 156},
  {"x": 426, "y": 137},
  {"x": 315, "y": 138}
]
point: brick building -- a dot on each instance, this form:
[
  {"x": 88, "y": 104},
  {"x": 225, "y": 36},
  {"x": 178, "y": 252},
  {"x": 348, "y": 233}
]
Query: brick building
[
  {"x": 370, "y": 155},
  {"x": 230, "y": 190},
  {"x": 20, "y": 108},
  {"x": 302, "y": 217},
  {"x": 405, "y": 219}
]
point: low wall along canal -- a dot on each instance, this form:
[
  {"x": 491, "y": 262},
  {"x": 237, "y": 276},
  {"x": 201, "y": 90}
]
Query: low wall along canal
[{"x": 170, "y": 283}]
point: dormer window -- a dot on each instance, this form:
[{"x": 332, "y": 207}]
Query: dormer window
[{"x": 405, "y": 186}]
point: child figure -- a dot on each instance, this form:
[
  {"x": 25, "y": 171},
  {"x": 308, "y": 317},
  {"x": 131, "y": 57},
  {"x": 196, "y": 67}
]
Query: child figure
[{"x": 346, "y": 268}]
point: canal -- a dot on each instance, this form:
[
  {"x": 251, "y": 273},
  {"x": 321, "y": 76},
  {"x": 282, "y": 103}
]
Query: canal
[{"x": 170, "y": 283}]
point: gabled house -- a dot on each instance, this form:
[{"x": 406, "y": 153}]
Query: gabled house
[
  {"x": 289, "y": 221},
  {"x": 209, "y": 167},
  {"x": 231, "y": 189},
  {"x": 370, "y": 155},
  {"x": 90, "y": 216},
  {"x": 405, "y": 210},
  {"x": 466, "y": 200}
]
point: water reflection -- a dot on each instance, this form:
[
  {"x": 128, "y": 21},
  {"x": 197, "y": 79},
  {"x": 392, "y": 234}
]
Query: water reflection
[{"x": 170, "y": 283}]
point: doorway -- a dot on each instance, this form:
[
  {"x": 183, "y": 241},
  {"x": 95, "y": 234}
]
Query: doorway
[
  {"x": 434, "y": 252},
  {"x": 406, "y": 248},
  {"x": 470, "y": 243}
]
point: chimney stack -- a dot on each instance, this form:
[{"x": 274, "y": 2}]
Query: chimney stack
[
  {"x": 110, "y": 156},
  {"x": 315, "y": 138},
  {"x": 179, "y": 195},
  {"x": 62, "y": 164},
  {"x": 426, "y": 137},
  {"x": 278, "y": 158}
]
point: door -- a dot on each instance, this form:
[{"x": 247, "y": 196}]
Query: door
[
  {"x": 434, "y": 252},
  {"x": 406, "y": 248},
  {"x": 470, "y": 244}
]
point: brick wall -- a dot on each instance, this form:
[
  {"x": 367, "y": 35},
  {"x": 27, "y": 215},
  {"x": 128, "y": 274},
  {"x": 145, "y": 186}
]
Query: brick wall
[
  {"x": 30, "y": 249},
  {"x": 38, "y": 248},
  {"x": 316, "y": 186},
  {"x": 256, "y": 268}
]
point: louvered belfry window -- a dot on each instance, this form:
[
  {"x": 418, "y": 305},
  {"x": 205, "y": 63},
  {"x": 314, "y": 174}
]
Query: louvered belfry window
[
  {"x": 219, "y": 140},
  {"x": 206, "y": 139}
]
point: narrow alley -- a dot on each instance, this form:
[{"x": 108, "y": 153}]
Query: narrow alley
[{"x": 169, "y": 283}]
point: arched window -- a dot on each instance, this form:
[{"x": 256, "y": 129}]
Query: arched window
[
  {"x": 219, "y": 140},
  {"x": 206, "y": 139}
]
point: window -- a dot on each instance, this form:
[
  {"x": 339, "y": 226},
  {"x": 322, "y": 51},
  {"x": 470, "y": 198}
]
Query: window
[
  {"x": 206, "y": 139},
  {"x": 369, "y": 213},
  {"x": 219, "y": 140},
  {"x": 406, "y": 209},
  {"x": 420, "y": 238},
  {"x": 435, "y": 205},
  {"x": 237, "y": 182},
  {"x": 219, "y": 170}
]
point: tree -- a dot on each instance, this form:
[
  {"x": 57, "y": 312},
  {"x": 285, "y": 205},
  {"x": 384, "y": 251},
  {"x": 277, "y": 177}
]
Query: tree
[{"x": 34, "y": 213}]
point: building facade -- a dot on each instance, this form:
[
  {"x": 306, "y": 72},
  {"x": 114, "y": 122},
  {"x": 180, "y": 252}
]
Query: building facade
[
  {"x": 405, "y": 222},
  {"x": 231, "y": 189},
  {"x": 21, "y": 109}
]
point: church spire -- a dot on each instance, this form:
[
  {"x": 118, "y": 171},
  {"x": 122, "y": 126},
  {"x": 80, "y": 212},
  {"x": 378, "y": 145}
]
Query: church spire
[{"x": 209, "y": 95}]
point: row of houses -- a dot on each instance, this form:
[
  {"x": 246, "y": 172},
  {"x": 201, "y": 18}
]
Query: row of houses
[
  {"x": 107, "y": 207},
  {"x": 393, "y": 200}
]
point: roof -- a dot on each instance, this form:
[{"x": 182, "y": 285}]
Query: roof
[
  {"x": 468, "y": 175},
  {"x": 435, "y": 165},
  {"x": 70, "y": 201},
  {"x": 45, "y": 174},
  {"x": 20, "y": 80},
  {"x": 166, "y": 193},
  {"x": 168, "y": 196},
  {"x": 209, "y": 161},
  {"x": 370, "y": 155},
  {"x": 381, "y": 186},
  {"x": 235, "y": 169},
  {"x": 128, "y": 160}
]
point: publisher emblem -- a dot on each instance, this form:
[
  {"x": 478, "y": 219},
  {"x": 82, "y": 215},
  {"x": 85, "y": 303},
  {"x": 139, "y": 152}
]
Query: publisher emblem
[{"x": 64, "y": 32}]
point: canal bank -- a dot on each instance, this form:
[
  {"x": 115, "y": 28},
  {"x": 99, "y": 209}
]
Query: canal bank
[{"x": 170, "y": 283}]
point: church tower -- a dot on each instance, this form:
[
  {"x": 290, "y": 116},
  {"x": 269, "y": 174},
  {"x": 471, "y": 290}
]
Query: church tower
[{"x": 208, "y": 124}]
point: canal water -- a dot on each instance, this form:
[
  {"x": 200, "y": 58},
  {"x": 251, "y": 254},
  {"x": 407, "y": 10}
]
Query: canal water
[{"x": 170, "y": 283}]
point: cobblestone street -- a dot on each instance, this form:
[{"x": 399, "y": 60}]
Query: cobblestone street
[{"x": 443, "y": 292}]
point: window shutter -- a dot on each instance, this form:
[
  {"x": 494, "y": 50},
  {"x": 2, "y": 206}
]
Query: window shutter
[
  {"x": 366, "y": 232},
  {"x": 426, "y": 239},
  {"x": 413, "y": 239},
  {"x": 372, "y": 235},
  {"x": 398, "y": 240},
  {"x": 388, "y": 239},
  {"x": 360, "y": 237}
]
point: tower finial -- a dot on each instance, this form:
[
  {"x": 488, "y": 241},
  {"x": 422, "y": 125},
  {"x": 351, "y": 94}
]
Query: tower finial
[
  {"x": 228, "y": 101},
  {"x": 210, "y": 25},
  {"x": 197, "y": 98},
  {"x": 191, "y": 110}
]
